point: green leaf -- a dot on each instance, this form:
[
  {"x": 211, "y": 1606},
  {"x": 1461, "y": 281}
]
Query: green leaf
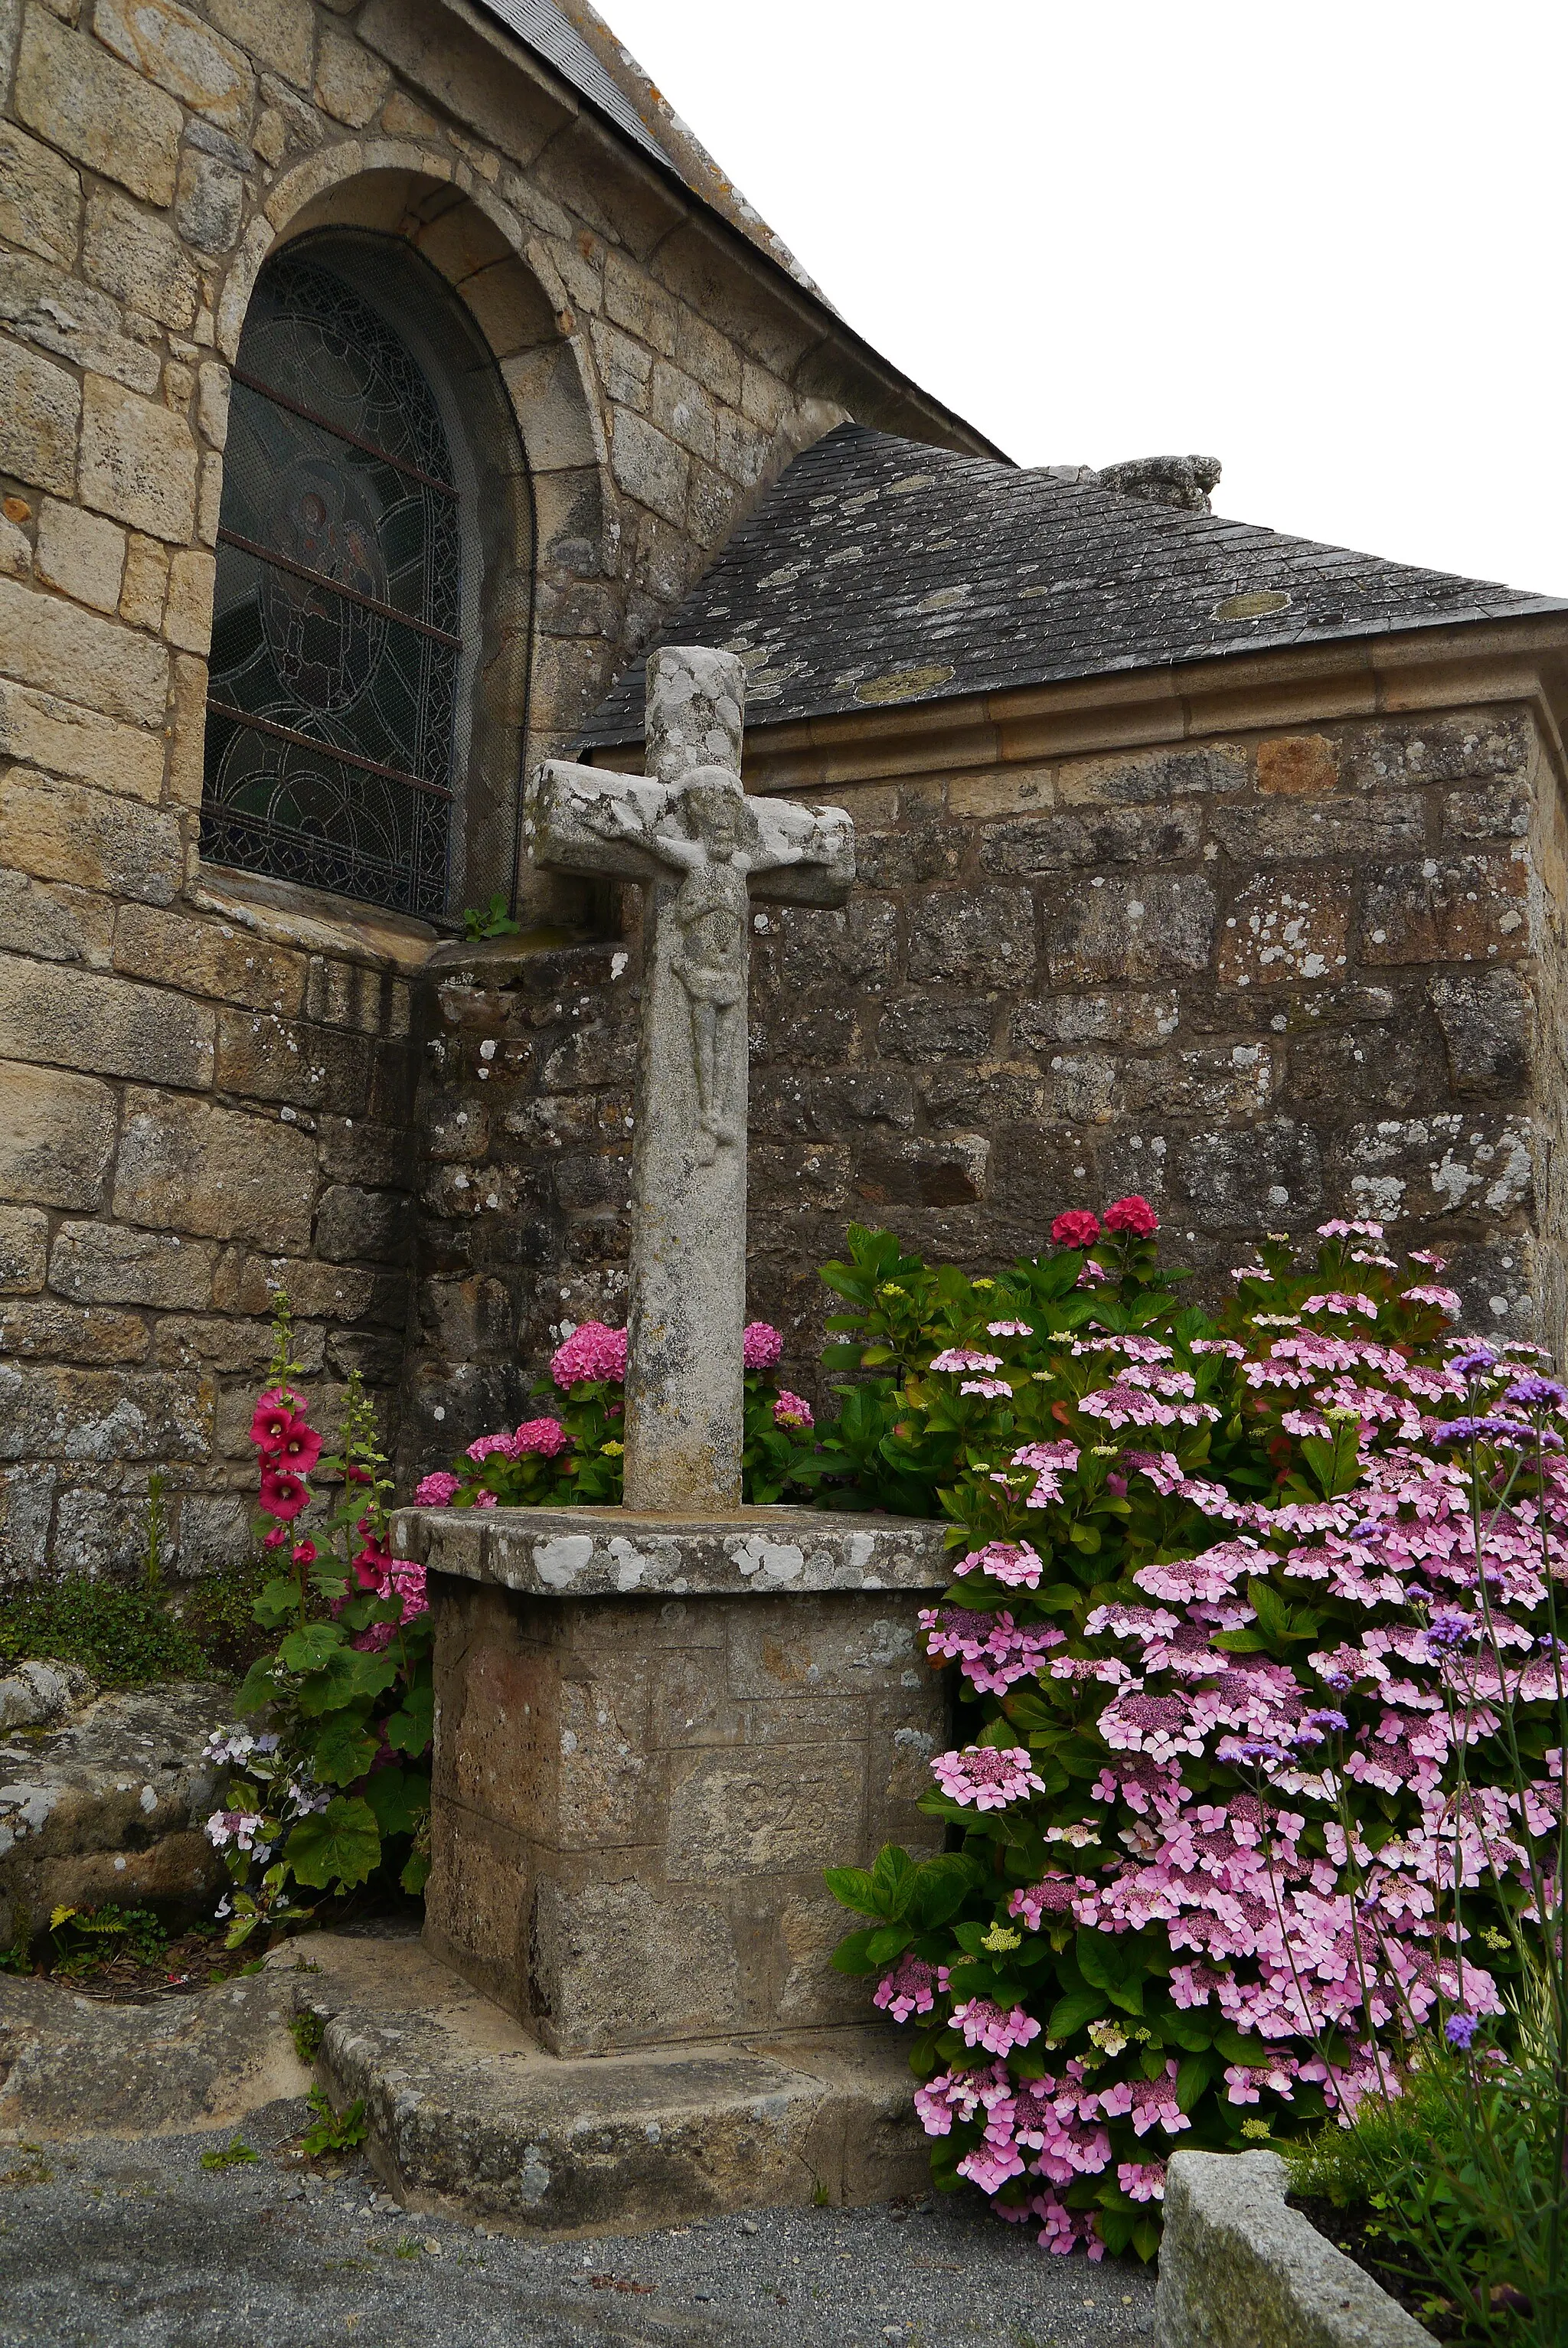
[
  {"x": 852, "y": 1887},
  {"x": 257, "y": 1690},
  {"x": 343, "y": 1750},
  {"x": 849, "y": 1956},
  {"x": 889, "y": 1941},
  {"x": 942, "y": 1885},
  {"x": 398, "y": 1797},
  {"x": 410, "y": 1728},
  {"x": 892, "y": 1880},
  {"x": 277, "y": 1601},
  {"x": 336, "y": 1849},
  {"x": 1071, "y": 2013},
  {"x": 348, "y": 1678},
  {"x": 311, "y": 1647},
  {"x": 415, "y": 1871},
  {"x": 1192, "y": 2079}
]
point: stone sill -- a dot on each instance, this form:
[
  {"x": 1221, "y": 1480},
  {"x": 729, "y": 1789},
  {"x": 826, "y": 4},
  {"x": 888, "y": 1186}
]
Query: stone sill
[
  {"x": 1239, "y": 2268},
  {"x": 309, "y": 919},
  {"x": 616, "y": 1553}
]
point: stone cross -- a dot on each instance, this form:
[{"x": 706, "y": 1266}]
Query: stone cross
[{"x": 702, "y": 851}]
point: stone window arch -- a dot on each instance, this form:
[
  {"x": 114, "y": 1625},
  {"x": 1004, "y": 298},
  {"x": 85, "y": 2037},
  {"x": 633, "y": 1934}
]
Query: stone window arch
[{"x": 367, "y": 583}]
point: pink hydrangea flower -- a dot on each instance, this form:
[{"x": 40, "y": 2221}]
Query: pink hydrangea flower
[
  {"x": 1076, "y": 1227},
  {"x": 485, "y": 1446},
  {"x": 963, "y": 1357},
  {"x": 791, "y": 1409},
  {"x": 986, "y": 1777},
  {"x": 760, "y": 1345},
  {"x": 1012, "y": 1564},
  {"x": 989, "y": 1387},
  {"x": 542, "y": 1439},
  {"x": 1007, "y": 1329},
  {"x": 435, "y": 1490},
  {"x": 593, "y": 1351},
  {"x": 984, "y": 2023},
  {"x": 912, "y": 1987},
  {"x": 1142, "y": 2180},
  {"x": 1133, "y": 1214}
]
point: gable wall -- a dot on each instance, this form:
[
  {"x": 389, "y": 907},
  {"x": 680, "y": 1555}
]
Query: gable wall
[{"x": 205, "y": 1083}]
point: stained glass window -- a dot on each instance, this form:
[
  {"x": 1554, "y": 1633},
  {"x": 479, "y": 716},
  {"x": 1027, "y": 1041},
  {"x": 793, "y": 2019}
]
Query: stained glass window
[{"x": 338, "y": 623}]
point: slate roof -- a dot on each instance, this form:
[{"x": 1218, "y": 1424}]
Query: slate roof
[
  {"x": 573, "y": 37},
  {"x": 878, "y": 570}
]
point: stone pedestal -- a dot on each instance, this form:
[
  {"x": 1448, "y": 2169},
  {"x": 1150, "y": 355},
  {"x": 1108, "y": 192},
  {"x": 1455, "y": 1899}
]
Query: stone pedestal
[{"x": 651, "y": 1738}]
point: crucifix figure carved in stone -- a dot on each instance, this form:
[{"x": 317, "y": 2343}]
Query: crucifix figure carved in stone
[{"x": 703, "y": 850}]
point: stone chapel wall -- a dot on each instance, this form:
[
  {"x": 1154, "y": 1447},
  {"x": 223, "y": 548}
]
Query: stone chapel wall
[
  {"x": 205, "y": 1086},
  {"x": 1263, "y": 977}
]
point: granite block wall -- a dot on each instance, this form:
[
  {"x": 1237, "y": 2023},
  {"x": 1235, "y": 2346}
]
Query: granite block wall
[{"x": 1263, "y": 978}]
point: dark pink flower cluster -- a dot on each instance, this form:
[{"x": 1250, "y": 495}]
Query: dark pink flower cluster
[
  {"x": 287, "y": 1448},
  {"x": 593, "y": 1351}
]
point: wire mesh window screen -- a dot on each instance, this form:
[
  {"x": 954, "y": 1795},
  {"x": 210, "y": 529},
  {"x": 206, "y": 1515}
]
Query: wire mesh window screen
[{"x": 341, "y": 621}]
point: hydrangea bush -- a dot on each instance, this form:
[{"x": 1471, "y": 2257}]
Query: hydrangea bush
[
  {"x": 1261, "y": 1771},
  {"x": 572, "y": 1454},
  {"x": 339, "y": 1771}
]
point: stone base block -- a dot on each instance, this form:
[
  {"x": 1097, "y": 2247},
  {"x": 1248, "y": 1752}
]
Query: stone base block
[
  {"x": 468, "y": 2113},
  {"x": 651, "y": 1738},
  {"x": 109, "y": 1806}
]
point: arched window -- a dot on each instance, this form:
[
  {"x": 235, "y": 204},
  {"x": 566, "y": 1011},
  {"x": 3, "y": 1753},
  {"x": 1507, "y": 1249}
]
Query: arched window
[{"x": 351, "y": 549}]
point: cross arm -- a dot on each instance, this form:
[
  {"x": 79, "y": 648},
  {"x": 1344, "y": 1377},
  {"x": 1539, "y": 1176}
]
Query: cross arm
[
  {"x": 804, "y": 856},
  {"x": 591, "y": 819}
]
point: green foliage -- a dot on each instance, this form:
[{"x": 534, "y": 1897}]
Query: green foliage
[
  {"x": 236, "y": 2154},
  {"x": 1460, "y": 2177},
  {"x": 492, "y": 921},
  {"x": 124, "y": 1638},
  {"x": 308, "y": 2030},
  {"x": 86, "y": 1938},
  {"x": 333, "y": 2131},
  {"x": 314, "y": 1804},
  {"x": 18, "y": 1957}
]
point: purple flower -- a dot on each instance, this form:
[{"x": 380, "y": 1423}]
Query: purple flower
[
  {"x": 1449, "y": 1629},
  {"x": 1533, "y": 1393},
  {"x": 1487, "y": 1430},
  {"x": 1326, "y": 1719},
  {"x": 1476, "y": 1360},
  {"x": 1460, "y": 2028}
]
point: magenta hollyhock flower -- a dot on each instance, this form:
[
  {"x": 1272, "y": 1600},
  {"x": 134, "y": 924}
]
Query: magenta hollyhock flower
[
  {"x": 300, "y": 1447},
  {"x": 760, "y": 1345},
  {"x": 986, "y": 1777},
  {"x": 435, "y": 1490},
  {"x": 791, "y": 1409},
  {"x": 1076, "y": 1227},
  {"x": 541, "y": 1438},
  {"x": 272, "y": 1419},
  {"x": 283, "y": 1494},
  {"x": 593, "y": 1351},
  {"x": 1133, "y": 1214}
]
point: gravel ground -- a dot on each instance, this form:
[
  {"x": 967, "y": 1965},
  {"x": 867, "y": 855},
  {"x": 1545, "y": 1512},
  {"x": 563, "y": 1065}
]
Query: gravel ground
[{"x": 104, "y": 2242}]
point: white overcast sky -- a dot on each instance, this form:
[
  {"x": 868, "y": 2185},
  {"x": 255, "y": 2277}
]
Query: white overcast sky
[{"x": 1321, "y": 242}]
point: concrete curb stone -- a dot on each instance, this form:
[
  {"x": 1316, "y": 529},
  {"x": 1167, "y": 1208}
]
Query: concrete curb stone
[{"x": 1238, "y": 2269}]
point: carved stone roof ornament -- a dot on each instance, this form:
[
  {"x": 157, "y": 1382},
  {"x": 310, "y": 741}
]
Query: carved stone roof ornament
[{"x": 703, "y": 850}]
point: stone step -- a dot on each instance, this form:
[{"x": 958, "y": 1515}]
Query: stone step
[{"x": 469, "y": 2115}]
